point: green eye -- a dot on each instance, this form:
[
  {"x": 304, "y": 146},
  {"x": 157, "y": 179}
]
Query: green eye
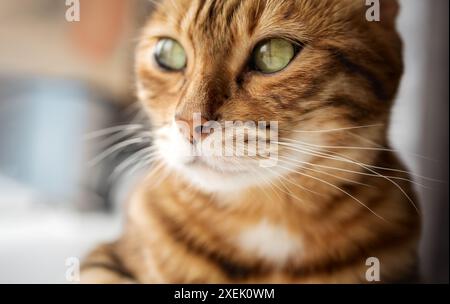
[
  {"x": 170, "y": 55},
  {"x": 273, "y": 55}
]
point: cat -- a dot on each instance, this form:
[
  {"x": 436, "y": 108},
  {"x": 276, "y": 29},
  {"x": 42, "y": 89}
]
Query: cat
[{"x": 336, "y": 196}]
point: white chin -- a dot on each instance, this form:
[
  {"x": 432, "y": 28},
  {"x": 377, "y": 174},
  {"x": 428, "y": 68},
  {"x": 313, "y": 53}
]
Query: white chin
[
  {"x": 208, "y": 175},
  {"x": 175, "y": 153},
  {"x": 212, "y": 180}
]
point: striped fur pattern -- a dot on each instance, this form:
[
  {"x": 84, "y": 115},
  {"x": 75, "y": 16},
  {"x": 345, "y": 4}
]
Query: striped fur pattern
[{"x": 338, "y": 194}]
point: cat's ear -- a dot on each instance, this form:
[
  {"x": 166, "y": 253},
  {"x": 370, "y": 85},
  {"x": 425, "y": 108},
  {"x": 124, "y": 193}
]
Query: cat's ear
[{"x": 389, "y": 10}]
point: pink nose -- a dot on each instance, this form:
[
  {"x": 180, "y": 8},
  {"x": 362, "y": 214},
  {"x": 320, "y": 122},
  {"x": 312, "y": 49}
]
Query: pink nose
[{"x": 191, "y": 129}]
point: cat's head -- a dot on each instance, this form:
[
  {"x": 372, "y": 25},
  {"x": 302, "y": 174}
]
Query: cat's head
[{"x": 318, "y": 72}]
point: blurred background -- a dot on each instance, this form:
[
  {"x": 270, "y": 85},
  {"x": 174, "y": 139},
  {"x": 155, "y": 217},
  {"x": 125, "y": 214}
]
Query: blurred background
[{"x": 61, "y": 81}]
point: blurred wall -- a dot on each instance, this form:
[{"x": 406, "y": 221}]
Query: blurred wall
[
  {"x": 420, "y": 123},
  {"x": 37, "y": 40}
]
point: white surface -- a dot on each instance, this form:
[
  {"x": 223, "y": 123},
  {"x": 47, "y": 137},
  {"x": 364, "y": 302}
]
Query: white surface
[
  {"x": 36, "y": 240},
  {"x": 35, "y": 245}
]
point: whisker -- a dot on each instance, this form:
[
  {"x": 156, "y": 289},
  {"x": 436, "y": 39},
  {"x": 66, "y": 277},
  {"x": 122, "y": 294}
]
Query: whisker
[
  {"x": 297, "y": 185},
  {"x": 365, "y": 139},
  {"x": 139, "y": 166},
  {"x": 355, "y": 148},
  {"x": 337, "y": 188},
  {"x": 107, "y": 131},
  {"x": 333, "y": 130},
  {"x": 266, "y": 181},
  {"x": 328, "y": 174},
  {"x": 113, "y": 149},
  {"x": 343, "y": 158},
  {"x": 370, "y": 166},
  {"x": 287, "y": 193},
  {"x": 347, "y": 170},
  {"x": 148, "y": 152},
  {"x": 114, "y": 138}
]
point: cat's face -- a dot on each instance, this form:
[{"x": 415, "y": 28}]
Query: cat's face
[{"x": 317, "y": 68}]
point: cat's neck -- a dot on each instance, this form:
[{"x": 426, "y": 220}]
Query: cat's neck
[{"x": 294, "y": 195}]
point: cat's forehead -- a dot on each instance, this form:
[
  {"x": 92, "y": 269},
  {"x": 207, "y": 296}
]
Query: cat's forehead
[{"x": 223, "y": 21}]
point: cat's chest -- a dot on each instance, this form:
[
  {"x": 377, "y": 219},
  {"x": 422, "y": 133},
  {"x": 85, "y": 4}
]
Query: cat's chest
[{"x": 270, "y": 242}]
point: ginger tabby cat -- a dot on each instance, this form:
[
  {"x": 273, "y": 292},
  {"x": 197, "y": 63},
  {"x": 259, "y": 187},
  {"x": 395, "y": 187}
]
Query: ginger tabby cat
[{"x": 337, "y": 194}]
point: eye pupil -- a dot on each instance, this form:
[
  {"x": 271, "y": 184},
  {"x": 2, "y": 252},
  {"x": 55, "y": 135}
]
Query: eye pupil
[
  {"x": 170, "y": 55},
  {"x": 273, "y": 55}
]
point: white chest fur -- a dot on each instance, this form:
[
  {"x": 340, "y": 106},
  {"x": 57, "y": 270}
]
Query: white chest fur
[{"x": 273, "y": 243}]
